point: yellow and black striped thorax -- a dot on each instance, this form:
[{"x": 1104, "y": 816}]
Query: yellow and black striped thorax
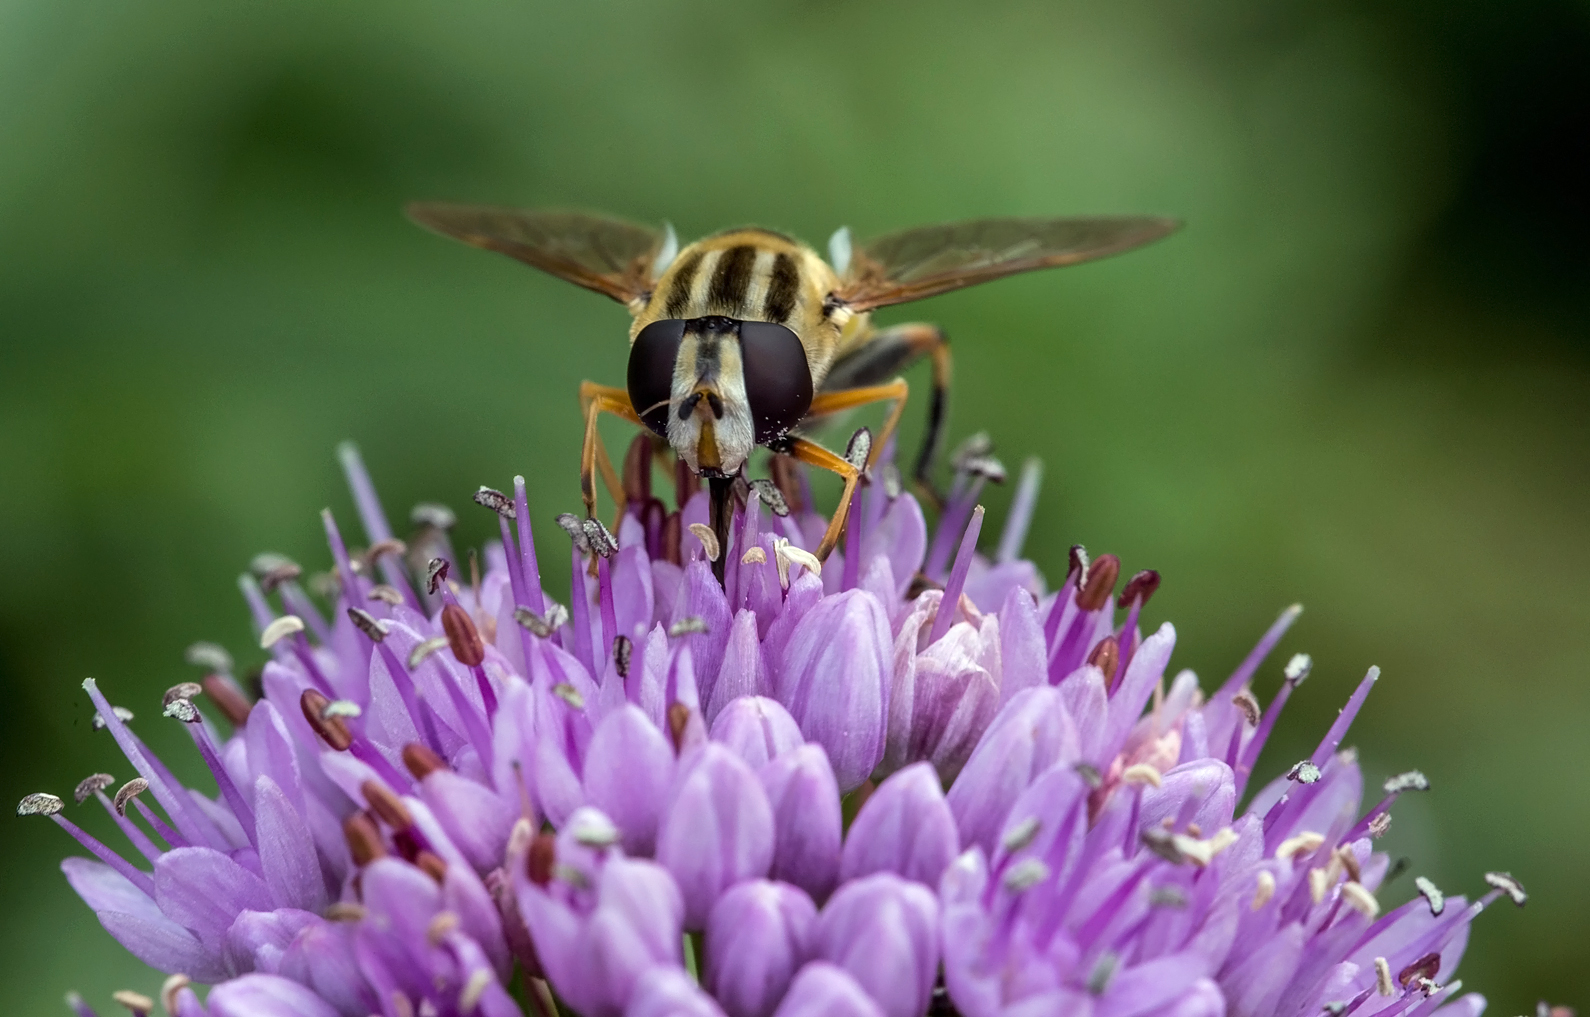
[{"x": 753, "y": 275}]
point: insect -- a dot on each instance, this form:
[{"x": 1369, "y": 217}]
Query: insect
[{"x": 739, "y": 338}]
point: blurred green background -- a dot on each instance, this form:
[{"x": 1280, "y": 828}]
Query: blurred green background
[{"x": 1357, "y": 378}]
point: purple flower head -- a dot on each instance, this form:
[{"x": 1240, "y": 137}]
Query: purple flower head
[{"x": 636, "y": 805}]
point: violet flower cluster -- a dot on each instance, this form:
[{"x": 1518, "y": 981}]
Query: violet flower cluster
[{"x": 905, "y": 781}]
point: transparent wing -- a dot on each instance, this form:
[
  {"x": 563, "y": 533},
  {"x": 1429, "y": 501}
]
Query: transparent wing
[
  {"x": 606, "y": 255},
  {"x": 917, "y": 263}
]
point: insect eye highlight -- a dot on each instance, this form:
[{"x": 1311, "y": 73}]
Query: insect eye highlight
[
  {"x": 778, "y": 380},
  {"x": 651, "y": 371}
]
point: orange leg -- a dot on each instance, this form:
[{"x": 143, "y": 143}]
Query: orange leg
[
  {"x": 850, "y": 398},
  {"x": 594, "y": 401},
  {"x": 813, "y": 454}
]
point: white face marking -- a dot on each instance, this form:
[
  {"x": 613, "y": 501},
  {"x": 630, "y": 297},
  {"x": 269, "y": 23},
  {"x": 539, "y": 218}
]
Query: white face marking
[{"x": 711, "y": 364}]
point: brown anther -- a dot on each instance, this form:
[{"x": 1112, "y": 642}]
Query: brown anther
[
  {"x": 181, "y": 690},
  {"x": 422, "y": 761},
  {"x": 1090, "y": 775},
  {"x": 137, "y": 1002},
  {"x": 1379, "y": 825},
  {"x": 571, "y": 525},
  {"x": 623, "y": 649},
  {"x": 1163, "y": 844},
  {"x": 672, "y": 534},
  {"x": 130, "y": 790},
  {"x": 1078, "y": 564},
  {"x": 1349, "y": 862},
  {"x": 599, "y": 538},
  {"x": 386, "y": 594},
  {"x": 367, "y": 623},
  {"x": 1106, "y": 656},
  {"x": 386, "y": 805},
  {"x": 436, "y": 571},
  {"x": 979, "y": 444},
  {"x": 768, "y": 494},
  {"x": 92, "y": 785},
  {"x": 364, "y": 839},
  {"x": 1139, "y": 588},
  {"x": 1424, "y": 967},
  {"x": 678, "y": 717},
  {"x": 1100, "y": 583},
  {"x": 541, "y": 857},
  {"x": 495, "y": 500},
  {"x": 1194, "y": 830},
  {"x": 227, "y": 698},
  {"x": 1247, "y": 706},
  {"x": 380, "y": 549},
  {"x": 272, "y": 570},
  {"x": 920, "y": 584},
  {"x": 333, "y": 730},
  {"x": 432, "y": 865},
  {"x": 462, "y": 636},
  {"x": 637, "y": 470}
]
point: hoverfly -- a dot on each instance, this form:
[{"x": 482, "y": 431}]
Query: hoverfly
[{"x": 740, "y": 337}]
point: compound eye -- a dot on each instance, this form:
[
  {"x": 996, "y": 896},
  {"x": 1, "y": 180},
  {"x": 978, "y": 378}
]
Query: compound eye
[
  {"x": 778, "y": 381},
  {"x": 651, "y": 371}
]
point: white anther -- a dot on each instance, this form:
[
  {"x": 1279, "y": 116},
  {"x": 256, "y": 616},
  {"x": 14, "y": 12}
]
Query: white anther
[
  {"x": 137, "y": 1002},
  {"x": 1298, "y": 667},
  {"x": 474, "y": 989},
  {"x": 1432, "y": 895},
  {"x": 1358, "y": 897},
  {"x": 444, "y": 923},
  {"x": 168, "y": 992},
  {"x": 1025, "y": 875},
  {"x": 286, "y": 625},
  {"x": 425, "y": 649},
  {"x": 1142, "y": 773},
  {"x": 709, "y": 540},
  {"x": 40, "y": 804},
  {"x": 596, "y": 830},
  {"x": 1319, "y": 884},
  {"x": 1383, "y": 982},
  {"x": 569, "y": 694},
  {"x": 688, "y": 626},
  {"x": 786, "y": 553},
  {"x": 1265, "y": 889},
  {"x": 345, "y": 911},
  {"x": 1300, "y": 844},
  {"x": 340, "y": 708},
  {"x": 386, "y": 594},
  {"x": 754, "y": 556},
  {"x": 1021, "y": 835}
]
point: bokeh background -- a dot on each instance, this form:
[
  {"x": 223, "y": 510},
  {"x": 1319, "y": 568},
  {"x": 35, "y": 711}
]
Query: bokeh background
[{"x": 1356, "y": 379}]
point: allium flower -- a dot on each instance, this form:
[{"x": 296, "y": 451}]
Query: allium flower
[{"x": 638, "y": 803}]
